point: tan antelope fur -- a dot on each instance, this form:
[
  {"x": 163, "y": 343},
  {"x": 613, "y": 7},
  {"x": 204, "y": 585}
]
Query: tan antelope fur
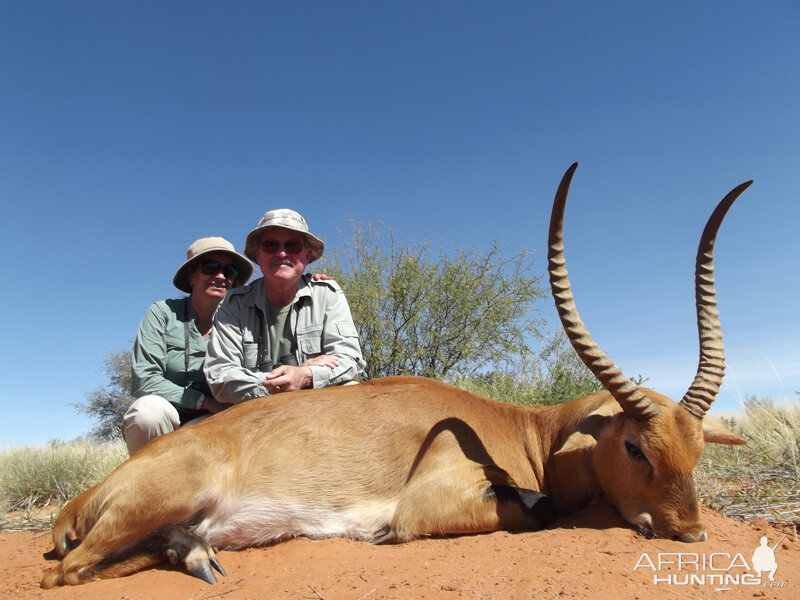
[{"x": 403, "y": 457}]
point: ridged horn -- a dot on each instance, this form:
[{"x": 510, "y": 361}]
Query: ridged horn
[
  {"x": 634, "y": 403},
  {"x": 711, "y": 368}
]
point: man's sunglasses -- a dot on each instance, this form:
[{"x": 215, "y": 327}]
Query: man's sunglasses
[
  {"x": 292, "y": 246},
  {"x": 212, "y": 267}
]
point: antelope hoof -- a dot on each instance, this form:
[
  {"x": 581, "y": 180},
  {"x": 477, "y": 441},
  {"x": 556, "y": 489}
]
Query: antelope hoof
[
  {"x": 387, "y": 535},
  {"x": 194, "y": 554},
  {"x": 202, "y": 569}
]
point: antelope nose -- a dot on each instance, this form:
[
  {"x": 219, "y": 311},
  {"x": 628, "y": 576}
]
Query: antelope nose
[{"x": 690, "y": 537}]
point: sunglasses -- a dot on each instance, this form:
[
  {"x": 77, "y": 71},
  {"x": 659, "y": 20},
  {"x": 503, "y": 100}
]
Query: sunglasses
[
  {"x": 212, "y": 267},
  {"x": 292, "y": 246}
]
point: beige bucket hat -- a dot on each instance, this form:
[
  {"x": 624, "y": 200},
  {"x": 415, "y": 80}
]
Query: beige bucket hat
[
  {"x": 288, "y": 219},
  {"x": 206, "y": 245}
]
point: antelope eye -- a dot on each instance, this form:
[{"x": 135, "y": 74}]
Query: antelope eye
[{"x": 635, "y": 452}]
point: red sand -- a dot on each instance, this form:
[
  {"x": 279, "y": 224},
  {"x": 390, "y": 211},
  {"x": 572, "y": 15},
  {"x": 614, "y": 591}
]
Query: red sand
[{"x": 590, "y": 555}]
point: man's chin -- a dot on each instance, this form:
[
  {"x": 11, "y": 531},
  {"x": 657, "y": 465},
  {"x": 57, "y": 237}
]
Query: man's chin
[{"x": 284, "y": 273}]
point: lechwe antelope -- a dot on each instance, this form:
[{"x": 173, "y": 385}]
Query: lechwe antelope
[{"x": 402, "y": 457}]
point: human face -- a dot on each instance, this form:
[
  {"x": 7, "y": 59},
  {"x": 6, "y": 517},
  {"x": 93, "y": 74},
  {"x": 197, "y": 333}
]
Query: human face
[
  {"x": 278, "y": 262},
  {"x": 214, "y": 285}
]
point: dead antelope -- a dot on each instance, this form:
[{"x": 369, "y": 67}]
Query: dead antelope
[{"x": 402, "y": 457}]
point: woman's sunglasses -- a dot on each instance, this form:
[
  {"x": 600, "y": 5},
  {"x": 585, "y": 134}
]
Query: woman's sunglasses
[
  {"x": 292, "y": 246},
  {"x": 212, "y": 267}
]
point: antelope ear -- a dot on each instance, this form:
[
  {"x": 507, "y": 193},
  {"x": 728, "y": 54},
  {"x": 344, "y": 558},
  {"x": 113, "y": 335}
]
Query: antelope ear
[
  {"x": 715, "y": 433},
  {"x": 586, "y": 433}
]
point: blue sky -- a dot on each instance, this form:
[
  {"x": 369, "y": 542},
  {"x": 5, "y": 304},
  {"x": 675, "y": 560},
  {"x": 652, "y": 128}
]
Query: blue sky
[{"x": 128, "y": 129}]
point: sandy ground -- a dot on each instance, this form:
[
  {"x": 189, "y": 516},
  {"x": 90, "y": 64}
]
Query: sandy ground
[{"x": 590, "y": 555}]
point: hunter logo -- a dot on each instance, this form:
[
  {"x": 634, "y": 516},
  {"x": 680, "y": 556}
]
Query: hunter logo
[
  {"x": 718, "y": 569},
  {"x": 764, "y": 558}
]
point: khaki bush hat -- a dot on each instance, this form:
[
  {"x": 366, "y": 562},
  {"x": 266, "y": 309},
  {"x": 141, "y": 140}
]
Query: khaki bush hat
[
  {"x": 288, "y": 219},
  {"x": 206, "y": 245}
]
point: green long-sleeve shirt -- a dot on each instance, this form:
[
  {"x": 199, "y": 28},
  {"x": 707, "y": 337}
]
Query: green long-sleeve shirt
[{"x": 159, "y": 353}]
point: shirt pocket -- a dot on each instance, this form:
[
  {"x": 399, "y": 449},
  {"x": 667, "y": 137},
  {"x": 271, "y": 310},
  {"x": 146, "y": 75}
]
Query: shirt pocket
[
  {"x": 175, "y": 359},
  {"x": 309, "y": 341},
  {"x": 250, "y": 354},
  {"x": 347, "y": 330}
]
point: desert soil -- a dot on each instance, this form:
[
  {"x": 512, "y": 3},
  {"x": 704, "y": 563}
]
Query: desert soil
[{"x": 590, "y": 555}]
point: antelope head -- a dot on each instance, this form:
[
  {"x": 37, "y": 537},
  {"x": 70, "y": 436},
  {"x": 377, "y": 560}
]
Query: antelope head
[{"x": 642, "y": 445}]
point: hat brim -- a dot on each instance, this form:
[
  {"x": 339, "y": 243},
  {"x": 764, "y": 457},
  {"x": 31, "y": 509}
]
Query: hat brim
[{"x": 181, "y": 279}]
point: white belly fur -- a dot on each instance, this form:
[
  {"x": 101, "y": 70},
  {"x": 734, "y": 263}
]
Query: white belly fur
[{"x": 257, "y": 522}]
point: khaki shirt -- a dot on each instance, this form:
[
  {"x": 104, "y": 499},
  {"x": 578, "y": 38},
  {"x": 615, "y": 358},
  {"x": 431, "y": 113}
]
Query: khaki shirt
[{"x": 239, "y": 353}]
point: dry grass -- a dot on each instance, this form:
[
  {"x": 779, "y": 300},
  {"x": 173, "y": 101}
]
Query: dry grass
[
  {"x": 761, "y": 479},
  {"x": 35, "y": 482}
]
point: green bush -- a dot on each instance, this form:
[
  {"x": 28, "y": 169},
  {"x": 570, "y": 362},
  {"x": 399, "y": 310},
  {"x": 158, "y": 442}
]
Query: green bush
[{"x": 552, "y": 376}]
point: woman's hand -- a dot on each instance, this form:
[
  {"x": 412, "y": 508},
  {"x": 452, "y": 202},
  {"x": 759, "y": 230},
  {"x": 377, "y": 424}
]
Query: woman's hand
[{"x": 212, "y": 405}]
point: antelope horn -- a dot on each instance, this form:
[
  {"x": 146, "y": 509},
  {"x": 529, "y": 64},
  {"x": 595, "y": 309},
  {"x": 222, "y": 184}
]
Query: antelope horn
[
  {"x": 711, "y": 367},
  {"x": 633, "y": 402}
]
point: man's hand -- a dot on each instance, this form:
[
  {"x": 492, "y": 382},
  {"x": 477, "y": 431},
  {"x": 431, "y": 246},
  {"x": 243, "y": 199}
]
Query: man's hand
[
  {"x": 323, "y": 360},
  {"x": 288, "y": 379}
]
